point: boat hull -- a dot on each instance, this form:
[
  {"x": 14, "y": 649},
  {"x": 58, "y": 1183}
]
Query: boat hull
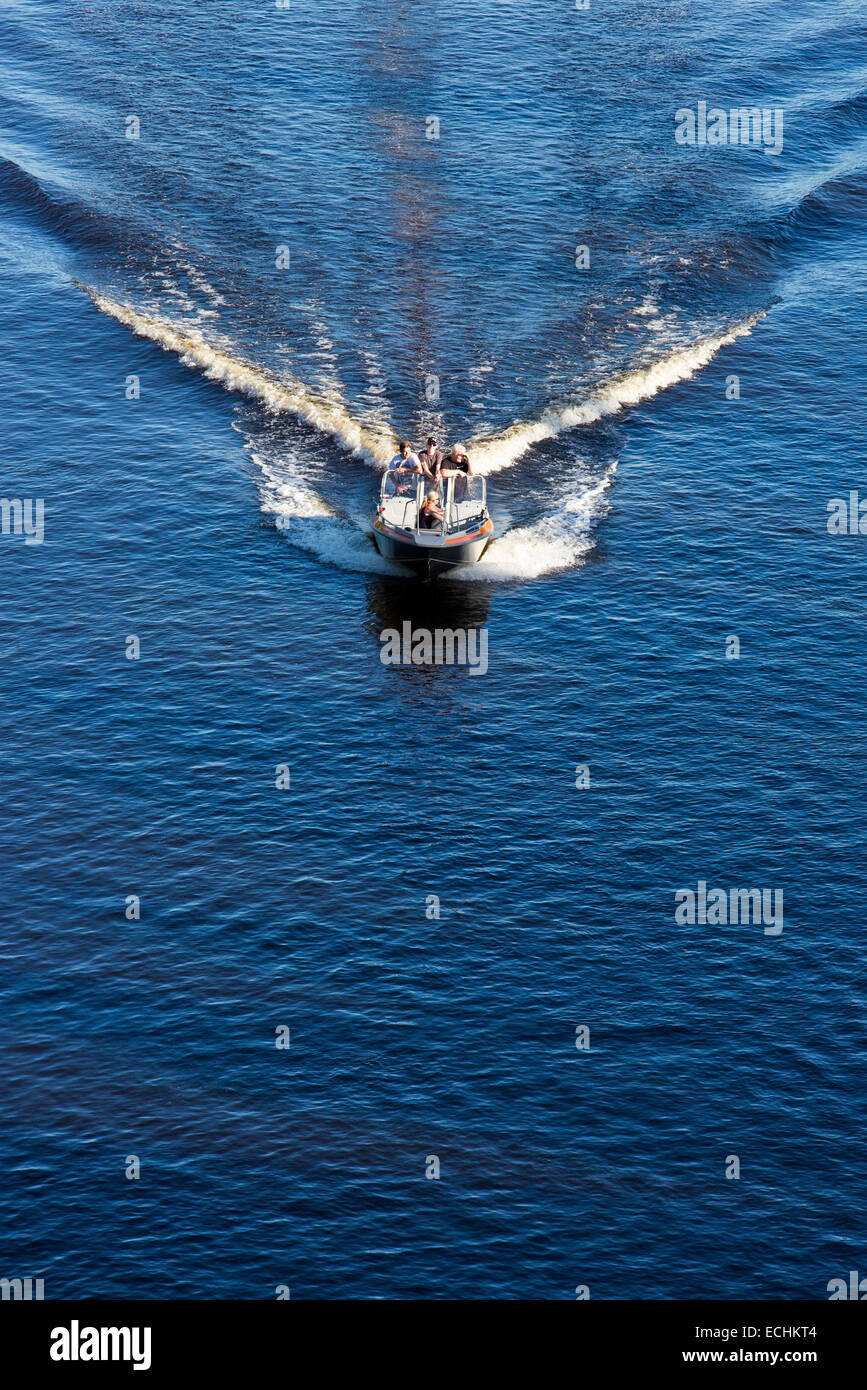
[{"x": 429, "y": 556}]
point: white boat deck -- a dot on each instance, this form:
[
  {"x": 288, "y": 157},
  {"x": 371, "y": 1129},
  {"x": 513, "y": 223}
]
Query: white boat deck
[{"x": 400, "y": 508}]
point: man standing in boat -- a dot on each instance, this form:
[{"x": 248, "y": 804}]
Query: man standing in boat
[
  {"x": 404, "y": 462},
  {"x": 457, "y": 462},
  {"x": 431, "y": 458},
  {"x": 457, "y": 466}
]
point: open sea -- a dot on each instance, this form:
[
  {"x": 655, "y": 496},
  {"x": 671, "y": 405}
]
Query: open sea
[{"x": 375, "y": 981}]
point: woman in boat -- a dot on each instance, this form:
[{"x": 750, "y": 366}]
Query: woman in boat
[{"x": 431, "y": 512}]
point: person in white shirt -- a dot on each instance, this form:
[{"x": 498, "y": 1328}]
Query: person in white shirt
[{"x": 405, "y": 461}]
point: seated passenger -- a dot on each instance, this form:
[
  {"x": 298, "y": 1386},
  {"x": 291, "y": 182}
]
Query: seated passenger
[{"x": 431, "y": 511}]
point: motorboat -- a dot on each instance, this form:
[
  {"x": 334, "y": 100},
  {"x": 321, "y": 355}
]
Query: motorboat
[{"x": 403, "y": 533}]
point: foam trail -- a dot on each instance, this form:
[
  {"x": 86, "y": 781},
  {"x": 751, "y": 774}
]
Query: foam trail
[
  {"x": 337, "y": 542},
  {"x": 285, "y": 493},
  {"x": 330, "y": 417},
  {"x": 500, "y": 451},
  {"x": 308, "y": 522},
  {"x": 557, "y": 541}
]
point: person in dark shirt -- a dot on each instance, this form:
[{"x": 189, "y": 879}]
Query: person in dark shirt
[
  {"x": 457, "y": 466},
  {"x": 457, "y": 462},
  {"x": 431, "y": 459}
]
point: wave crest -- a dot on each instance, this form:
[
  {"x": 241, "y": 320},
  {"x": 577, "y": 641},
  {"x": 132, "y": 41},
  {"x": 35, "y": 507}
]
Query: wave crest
[
  {"x": 330, "y": 417},
  {"x": 492, "y": 453}
]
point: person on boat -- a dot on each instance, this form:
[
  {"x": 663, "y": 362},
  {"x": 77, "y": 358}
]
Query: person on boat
[
  {"x": 457, "y": 462},
  {"x": 405, "y": 460},
  {"x": 457, "y": 466},
  {"x": 431, "y": 458},
  {"x": 431, "y": 511}
]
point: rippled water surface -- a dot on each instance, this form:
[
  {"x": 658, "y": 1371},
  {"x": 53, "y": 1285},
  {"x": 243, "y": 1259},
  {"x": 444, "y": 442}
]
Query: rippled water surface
[{"x": 206, "y": 427}]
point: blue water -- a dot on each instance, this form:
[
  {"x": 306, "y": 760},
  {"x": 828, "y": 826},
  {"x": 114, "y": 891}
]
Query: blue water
[{"x": 223, "y": 518}]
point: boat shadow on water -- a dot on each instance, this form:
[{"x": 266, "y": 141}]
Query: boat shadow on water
[{"x": 430, "y": 632}]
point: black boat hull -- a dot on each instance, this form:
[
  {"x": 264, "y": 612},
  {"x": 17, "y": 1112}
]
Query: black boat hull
[{"x": 429, "y": 557}]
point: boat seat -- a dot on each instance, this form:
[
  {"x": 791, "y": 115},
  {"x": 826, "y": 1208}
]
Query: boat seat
[{"x": 400, "y": 511}]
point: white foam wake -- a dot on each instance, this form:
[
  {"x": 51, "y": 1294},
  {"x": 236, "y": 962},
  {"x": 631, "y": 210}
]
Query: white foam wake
[
  {"x": 489, "y": 454},
  {"x": 309, "y": 523},
  {"x": 329, "y": 416},
  {"x": 557, "y": 541},
  {"x": 337, "y": 541}
]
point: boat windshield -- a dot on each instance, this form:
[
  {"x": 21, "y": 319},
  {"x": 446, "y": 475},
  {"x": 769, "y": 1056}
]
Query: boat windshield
[
  {"x": 400, "y": 484},
  {"x": 466, "y": 501},
  {"x": 449, "y": 505}
]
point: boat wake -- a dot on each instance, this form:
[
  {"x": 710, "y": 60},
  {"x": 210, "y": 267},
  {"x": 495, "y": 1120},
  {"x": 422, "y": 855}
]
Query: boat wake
[
  {"x": 502, "y": 450},
  {"x": 308, "y": 521},
  {"x": 217, "y": 361},
  {"x": 559, "y": 539}
]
